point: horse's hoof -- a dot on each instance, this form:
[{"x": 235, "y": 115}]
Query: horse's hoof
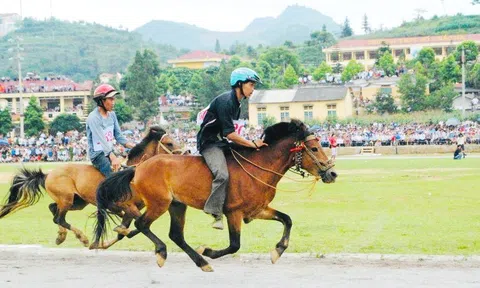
[
  {"x": 160, "y": 260},
  {"x": 200, "y": 250},
  {"x": 60, "y": 239},
  {"x": 122, "y": 230},
  {"x": 93, "y": 246},
  {"x": 207, "y": 268},
  {"x": 85, "y": 242},
  {"x": 274, "y": 256}
]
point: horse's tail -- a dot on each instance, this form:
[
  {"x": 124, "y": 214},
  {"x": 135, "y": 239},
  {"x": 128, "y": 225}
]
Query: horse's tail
[
  {"x": 115, "y": 188},
  {"x": 25, "y": 190}
]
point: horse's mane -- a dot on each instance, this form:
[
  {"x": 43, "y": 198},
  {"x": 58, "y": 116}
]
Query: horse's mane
[
  {"x": 279, "y": 131},
  {"x": 155, "y": 133}
]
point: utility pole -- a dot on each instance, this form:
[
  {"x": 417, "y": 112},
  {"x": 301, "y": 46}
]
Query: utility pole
[
  {"x": 463, "y": 82},
  {"x": 17, "y": 57}
]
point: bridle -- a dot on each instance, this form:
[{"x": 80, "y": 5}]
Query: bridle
[
  {"x": 166, "y": 149},
  {"x": 299, "y": 147}
]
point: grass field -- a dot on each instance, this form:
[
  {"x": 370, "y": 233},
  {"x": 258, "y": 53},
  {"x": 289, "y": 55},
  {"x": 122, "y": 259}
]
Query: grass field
[{"x": 406, "y": 206}]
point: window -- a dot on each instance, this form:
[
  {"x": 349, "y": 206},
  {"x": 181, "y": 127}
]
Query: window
[
  {"x": 372, "y": 54},
  {"x": 398, "y": 52},
  {"x": 386, "y": 90},
  {"x": 284, "y": 114},
  {"x": 347, "y": 56},
  {"x": 359, "y": 55},
  {"x": 332, "y": 110},
  {"x": 261, "y": 114},
  {"x": 334, "y": 57},
  {"x": 438, "y": 51},
  {"x": 308, "y": 112}
]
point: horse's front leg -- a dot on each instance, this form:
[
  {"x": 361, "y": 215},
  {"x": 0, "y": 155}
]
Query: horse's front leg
[
  {"x": 272, "y": 214},
  {"x": 234, "y": 227}
]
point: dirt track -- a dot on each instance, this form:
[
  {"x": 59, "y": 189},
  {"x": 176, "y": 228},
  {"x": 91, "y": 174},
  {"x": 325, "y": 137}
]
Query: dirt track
[{"x": 34, "y": 266}]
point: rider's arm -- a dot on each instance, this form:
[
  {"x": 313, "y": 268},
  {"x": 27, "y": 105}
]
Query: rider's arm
[
  {"x": 234, "y": 137},
  {"x": 117, "y": 133}
]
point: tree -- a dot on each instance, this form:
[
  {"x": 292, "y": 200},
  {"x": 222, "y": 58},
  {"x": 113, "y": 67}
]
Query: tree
[
  {"x": 265, "y": 72},
  {"x": 33, "y": 118},
  {"x": 321, "y": 71},
  {"x": 473, "y": 76},
  {"x": 351, "y": 70},
  {"x": 65, "y": 122},
  {"x": 195, "y": 84},
  {"x": 338, "y": 68},
  {"x": 324, "y": 28},
  {"x": 384, "y": 103},
  {"x": 5, "y": 121},
  {"x": 384, "y": 49},
  {"x": 412, "y": 89},
  {"x": 442, "y": 98},
  {"x": 289, "y": 44},
  {"x": 174, "y": 85},
  {"x": 346, "y": 29},
  {"x": 426, "y": 57},
  {"x": 471, "y": 51},
  {"x": 387, "y": 63},
  {"x": 235, "y": 61},
  {"x": 365, "y": 25},
  {"x": 268, "y": 121},
  {"x": 162, "y": 84},
  {"x": 123, "y": 111},
  {"x": 290, "y": 77},
  {"x": 141, "y": 84},
  {"x": 450, "y": 70},
  {"x": 281, "y": 57},
  {"x": 217, "y": 46}
]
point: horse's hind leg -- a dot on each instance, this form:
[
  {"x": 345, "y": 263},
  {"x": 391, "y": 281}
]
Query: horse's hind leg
[
  {"x": 272, "y": 214},
  {"x": 62, "y": 209},
  {"x": 143, "y": 225},
  {"x": 234, "y": 227},
  {"x": 130, "y": 213},
  {"x": 62, "y": 232},
  {"x": 177, "y": 224}
]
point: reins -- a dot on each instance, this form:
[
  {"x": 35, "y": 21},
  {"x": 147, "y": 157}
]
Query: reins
[{"x": 165, "y": 148}]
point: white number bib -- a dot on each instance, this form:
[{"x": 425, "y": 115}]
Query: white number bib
[{"x": 108, "y": 136}]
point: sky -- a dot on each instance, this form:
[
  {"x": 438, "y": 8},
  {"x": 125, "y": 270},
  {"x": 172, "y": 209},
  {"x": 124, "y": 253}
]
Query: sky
[{"x": 229, "y": 15}]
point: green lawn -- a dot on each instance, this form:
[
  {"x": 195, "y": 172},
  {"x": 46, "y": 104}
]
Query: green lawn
[{"x": 407, "y": 206}]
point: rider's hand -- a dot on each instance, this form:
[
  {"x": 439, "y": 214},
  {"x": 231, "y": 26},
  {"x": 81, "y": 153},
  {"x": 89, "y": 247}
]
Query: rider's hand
[
  {"x": 258, "y": 143},
  {"x": 115, "y": 162}
]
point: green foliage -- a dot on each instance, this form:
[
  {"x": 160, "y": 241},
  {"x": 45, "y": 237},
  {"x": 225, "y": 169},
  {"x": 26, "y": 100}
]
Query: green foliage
[
  {"x": 79, "y": 50},
  {"x": 387, "y": 63},
  {"x": 384, "y": 103},
  {"x": 123, "y": 111},
  {"x": 347, "y": 31},
  {"x": 442, "y": 98},
  {"x": 162, "y": 84},
  {"x": 65, "y": 122},
  {"x": 412, "y": 88},
  {"x": 471, "y": 51},
  {"x": 217, "y": 46},
  {"x": 281, "y": 57},
  {"x": 268, "y": 121},
  {"x": 235, "y": 61},
  {"x": 365, "y": 25},
  {"x": 473, "y": 76},
  {"x": 450, "y": 70},
  {"x": 352, "y": 69},
  {"x": 384, "y": 49},
  {"x": 321, "y": 71},
  {"x": 290, "y": 77},
  {"x": 338, "y": 68},
  {"x": 265, "y": 71},
  {"x": 195, "y": 84},
  {"x": 141, "y": 85},
  {"x": 426, "y": 57},
  {"x": 5, "y": 121},
  {"x": 173, "y": 85},
  {"x": 33, "y": 118}
]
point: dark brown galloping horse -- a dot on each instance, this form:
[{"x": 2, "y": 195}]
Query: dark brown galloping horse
[
  {"x": 73, "y": 186},
  {"x": 174, "y": 182}
]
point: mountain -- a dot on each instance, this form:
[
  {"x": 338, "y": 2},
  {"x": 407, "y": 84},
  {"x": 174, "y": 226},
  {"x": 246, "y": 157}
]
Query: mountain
[
  {"x": 79, "y": 50},
  {"x": 294, "y": 24}
]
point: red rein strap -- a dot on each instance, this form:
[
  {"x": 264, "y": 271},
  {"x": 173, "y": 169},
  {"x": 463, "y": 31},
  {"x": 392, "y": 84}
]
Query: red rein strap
[{"x": 298, "y": 148}]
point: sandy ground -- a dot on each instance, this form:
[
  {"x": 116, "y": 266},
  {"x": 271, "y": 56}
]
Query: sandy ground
[{"x": 35, "y": 266}]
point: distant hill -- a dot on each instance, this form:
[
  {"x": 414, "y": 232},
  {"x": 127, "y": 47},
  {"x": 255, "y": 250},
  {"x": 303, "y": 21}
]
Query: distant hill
[
  {"x": 294, "y": 24},
  {"x": 458, "y": 24},
  {"x": 78, "y": 50}
]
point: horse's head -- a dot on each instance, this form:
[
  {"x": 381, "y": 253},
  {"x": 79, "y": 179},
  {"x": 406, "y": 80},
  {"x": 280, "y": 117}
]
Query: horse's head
[
  {"x": 157, "y": 141},
  {"x": 306, "y": 149}
]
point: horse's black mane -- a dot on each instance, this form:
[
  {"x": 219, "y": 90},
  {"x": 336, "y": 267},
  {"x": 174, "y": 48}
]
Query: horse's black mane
[
  {"x": 281, "y": 130},
  {"x": 155, "y": 133},
  {"x": 277, "y": 132}
]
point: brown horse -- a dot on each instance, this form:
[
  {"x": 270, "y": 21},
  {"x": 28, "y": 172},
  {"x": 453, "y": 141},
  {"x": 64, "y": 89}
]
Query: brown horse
[
  {"x": 174, "y": 182},
  {"x": 73, "y": 186}
]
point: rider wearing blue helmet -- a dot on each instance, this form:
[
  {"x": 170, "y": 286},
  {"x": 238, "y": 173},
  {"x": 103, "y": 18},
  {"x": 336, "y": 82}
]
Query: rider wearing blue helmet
[{"x": 217, "y": 127}]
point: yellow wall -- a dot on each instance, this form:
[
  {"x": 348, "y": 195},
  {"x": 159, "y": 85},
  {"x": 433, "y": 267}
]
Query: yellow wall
[
  {"x": 371, "y": 92},
  {"x": 296, "y": 109},
  {"x": 190, "y": 65}
]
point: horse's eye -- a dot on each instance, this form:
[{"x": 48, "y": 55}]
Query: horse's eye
[
  {"x": 170, "y": 144},
  {"x": 315, "y": 149}
]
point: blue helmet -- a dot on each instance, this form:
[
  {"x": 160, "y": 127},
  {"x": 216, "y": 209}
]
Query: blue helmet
[{"x": 243, "y": 74}]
